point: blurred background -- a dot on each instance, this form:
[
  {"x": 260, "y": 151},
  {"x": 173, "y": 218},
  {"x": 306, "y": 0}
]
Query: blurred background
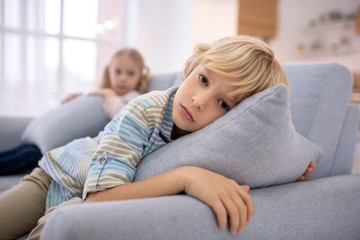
[{"x": 49, "y": 48}]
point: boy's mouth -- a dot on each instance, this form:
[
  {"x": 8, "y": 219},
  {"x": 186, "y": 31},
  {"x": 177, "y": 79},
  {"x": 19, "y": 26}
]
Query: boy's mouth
[{"x": 186, "y": 113}]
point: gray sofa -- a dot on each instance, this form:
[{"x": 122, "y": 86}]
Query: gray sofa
[{"x": 326, "y": 207}]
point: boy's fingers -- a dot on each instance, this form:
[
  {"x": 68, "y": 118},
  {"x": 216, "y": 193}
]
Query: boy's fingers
[
  {"x": 300, "y": 179},
  {"x": 234, "y": 214},
  {"x": 247, "y": 199},
  {"x": 221, "y": 214},
  {"x": 243, "y": 211},
  {"x": 308, "y": 173}
]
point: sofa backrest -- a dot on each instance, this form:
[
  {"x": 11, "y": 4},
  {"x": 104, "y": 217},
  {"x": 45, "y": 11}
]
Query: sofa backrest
[
  {"x": 165, "y": 81},
  {"x": 319, "y": 103},
  {"x": 345, "y": 153}
]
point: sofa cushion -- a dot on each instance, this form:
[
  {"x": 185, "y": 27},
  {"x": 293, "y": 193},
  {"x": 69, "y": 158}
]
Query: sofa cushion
[
  {"x": 255, "y": 144},
  {"x": 80, "y": 117},
  {"x": 319, "y": 99},
  {"x": 11, "y": 129},
  {"x": 165, "y": 81}
]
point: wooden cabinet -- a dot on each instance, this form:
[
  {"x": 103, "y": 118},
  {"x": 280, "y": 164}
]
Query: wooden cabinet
[{"x": 258, "y": 18}]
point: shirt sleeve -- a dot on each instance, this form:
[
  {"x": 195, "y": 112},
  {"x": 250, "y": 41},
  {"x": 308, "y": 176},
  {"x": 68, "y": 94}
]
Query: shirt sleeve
[
  {"x": 120, "y": 149},
  {"x": 113, "y": 105}
]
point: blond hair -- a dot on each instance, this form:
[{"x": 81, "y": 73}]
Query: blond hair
[
  {"x": 246, "y": 59},
  {"x": 138, "y": 59}
]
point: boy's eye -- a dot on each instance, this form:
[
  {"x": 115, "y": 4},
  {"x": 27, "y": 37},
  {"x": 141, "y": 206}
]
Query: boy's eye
[
  {"x": 204, "y": 80},
  {"x": 131, "y": 73},
  {"x": 224, "y": 105},
  {"x": 118, "y": 71}
]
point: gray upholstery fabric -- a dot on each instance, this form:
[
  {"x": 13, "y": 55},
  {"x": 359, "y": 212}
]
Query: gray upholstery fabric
[
  {"x": 7, "y": 182},
  {"x": 78, "y": 118},
  {"x": 296, "y": 211},
  {"x": 165, "y": 81},
  {"x": 11, "y": 129},
  {"x": 319, "y": 99},
  {"x": 254, "y": 144},
  {"x": 345, "y": 154}
]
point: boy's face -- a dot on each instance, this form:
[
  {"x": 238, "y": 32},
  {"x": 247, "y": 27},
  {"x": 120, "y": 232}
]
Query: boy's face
[{"x": 201, "y": 99}]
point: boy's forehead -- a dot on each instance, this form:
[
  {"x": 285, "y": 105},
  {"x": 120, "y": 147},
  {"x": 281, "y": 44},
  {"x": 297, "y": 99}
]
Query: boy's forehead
[
  {"x": 212, "y": 73},
  {"x": 206, "y": 70},
  {"x": 203, "y": 67}
]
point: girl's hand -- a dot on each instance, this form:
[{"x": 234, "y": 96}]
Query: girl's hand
[
  {"x": 307, "y": 173},
  {"x": 223, "y": 195},
  {"x": 70, "y": 97},
  {"x": 105, "y": 93}
]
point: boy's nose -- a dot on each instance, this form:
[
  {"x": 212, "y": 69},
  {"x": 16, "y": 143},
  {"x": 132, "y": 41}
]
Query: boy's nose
[{"x": 199, "y": 101}]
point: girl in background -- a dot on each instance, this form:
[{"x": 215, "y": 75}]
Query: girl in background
[{"x": 124, "y": 78}]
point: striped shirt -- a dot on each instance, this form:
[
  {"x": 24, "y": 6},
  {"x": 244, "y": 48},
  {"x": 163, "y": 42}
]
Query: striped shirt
[{"x": 94, "y": 164}]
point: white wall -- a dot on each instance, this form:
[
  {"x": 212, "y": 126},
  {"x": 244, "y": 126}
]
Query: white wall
[
  {"x": 162, "y": 32},
  {"x": 165, "y": 31},
  {"x": 213, "y": 19},
  {"x": 294, "y": 16}
]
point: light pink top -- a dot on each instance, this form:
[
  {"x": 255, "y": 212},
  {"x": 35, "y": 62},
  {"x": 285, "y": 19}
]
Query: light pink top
[{"x": 113, "y": 105}]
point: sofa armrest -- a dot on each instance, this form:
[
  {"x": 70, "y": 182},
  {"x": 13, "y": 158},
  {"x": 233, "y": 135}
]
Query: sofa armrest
[
  {"x": 327, "y": 208},
  {"x": 11, "y": 129}
]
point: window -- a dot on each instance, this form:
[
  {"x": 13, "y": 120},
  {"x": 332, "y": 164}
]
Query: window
[{"x": 50, "y": 48}]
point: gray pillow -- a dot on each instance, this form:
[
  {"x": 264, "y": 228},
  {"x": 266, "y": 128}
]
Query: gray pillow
[
  {"x": 81, "y": 117},
  {"x": 254, "y": 144}
]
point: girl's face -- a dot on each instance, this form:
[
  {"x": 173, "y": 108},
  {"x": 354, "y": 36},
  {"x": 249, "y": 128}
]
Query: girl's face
[
  {"x": 201, "y": 99},
  {"x": 124, "y": 74}
]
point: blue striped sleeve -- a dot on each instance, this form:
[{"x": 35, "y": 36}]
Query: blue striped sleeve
[{"x": 120, "y": 149}]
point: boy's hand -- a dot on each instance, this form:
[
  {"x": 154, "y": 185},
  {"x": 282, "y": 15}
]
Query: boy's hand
[
  {"x": 223, "y": 195},
  {"x": 307, "y": 173}
]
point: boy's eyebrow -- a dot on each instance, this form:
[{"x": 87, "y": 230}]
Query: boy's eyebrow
[
  {"x": 231, "y": 100},
  {"x": 204, "y": 70},
  {"x": 208, "y": 71}
]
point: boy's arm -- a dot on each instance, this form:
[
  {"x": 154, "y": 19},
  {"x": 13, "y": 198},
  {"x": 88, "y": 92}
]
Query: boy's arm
[
  {"x": 120, "y": 149},
  {"x": 223, "y": 195}
]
